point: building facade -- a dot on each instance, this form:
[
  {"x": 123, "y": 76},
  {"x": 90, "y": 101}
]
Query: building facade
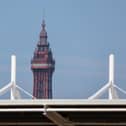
[{"x": 43, "y": 66}]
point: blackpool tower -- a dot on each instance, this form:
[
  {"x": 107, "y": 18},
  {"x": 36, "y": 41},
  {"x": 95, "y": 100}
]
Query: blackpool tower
[{"x": 43, "y": 66}]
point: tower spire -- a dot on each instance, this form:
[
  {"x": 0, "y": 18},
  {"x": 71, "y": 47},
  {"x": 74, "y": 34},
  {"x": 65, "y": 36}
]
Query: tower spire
[
  {"x": 43, "y": 32},
  {"x": 43, "y": 66},
  {"x": 43, "y": 24}
]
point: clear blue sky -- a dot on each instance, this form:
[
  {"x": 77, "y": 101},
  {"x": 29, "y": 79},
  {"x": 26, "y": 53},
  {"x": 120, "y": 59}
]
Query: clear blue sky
[{"x": 81, "y": 33}]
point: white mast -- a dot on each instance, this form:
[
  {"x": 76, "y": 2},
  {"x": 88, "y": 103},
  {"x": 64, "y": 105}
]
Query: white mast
[
  {"x": 111, "y": 77},
  {"x": 110, "y": 86},
  {"x": 111, "y": 68},
  {"x": 14, "y": 89},
  {"x": 13, "y": 77}
]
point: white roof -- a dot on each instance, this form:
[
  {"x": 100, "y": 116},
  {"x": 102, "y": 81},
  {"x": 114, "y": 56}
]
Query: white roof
[{"x": 63, "y": 102}]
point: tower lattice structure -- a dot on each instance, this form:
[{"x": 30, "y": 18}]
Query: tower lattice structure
[{"x": 43, "y": 66}]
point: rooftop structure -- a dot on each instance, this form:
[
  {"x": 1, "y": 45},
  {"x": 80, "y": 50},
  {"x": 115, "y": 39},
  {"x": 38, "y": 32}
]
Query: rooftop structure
[
  {"x": 111, "y": 88},
  {"x": 60, "y": 112},
  {"x": 77, "y": 112}
]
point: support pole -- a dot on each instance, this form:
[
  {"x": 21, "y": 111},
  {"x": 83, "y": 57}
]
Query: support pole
[
  {"x": 13, "y": 77},
  {"x": 111, "y": 68},
  {"x": 110, "y": 85},
  {"x": 111, "y": 89},
  {"x": 12, "y": 86},
  {"x": 13, "y": 68},
  {"x": 99, "y": 92}
]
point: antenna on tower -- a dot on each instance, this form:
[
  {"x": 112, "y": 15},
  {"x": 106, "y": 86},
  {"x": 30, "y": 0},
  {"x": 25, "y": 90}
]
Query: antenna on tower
[
  {"x": 110, "y": 86},
  {"x": 43, "y": 14},
  {"x": 43, "y": 20},
  {"x": 12, "y": 86}
]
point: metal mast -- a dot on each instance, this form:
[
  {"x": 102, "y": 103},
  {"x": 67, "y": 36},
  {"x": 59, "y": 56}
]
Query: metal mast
[
  {"x": 12, "y": 86},
  {"x": 110, "y": 86}
]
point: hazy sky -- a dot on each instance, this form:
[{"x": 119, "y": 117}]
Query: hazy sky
[{"x": 81, "y": 33}]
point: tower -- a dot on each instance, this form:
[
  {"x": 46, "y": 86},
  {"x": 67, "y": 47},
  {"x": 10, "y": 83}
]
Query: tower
[{"x": 43, "y": 66}]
